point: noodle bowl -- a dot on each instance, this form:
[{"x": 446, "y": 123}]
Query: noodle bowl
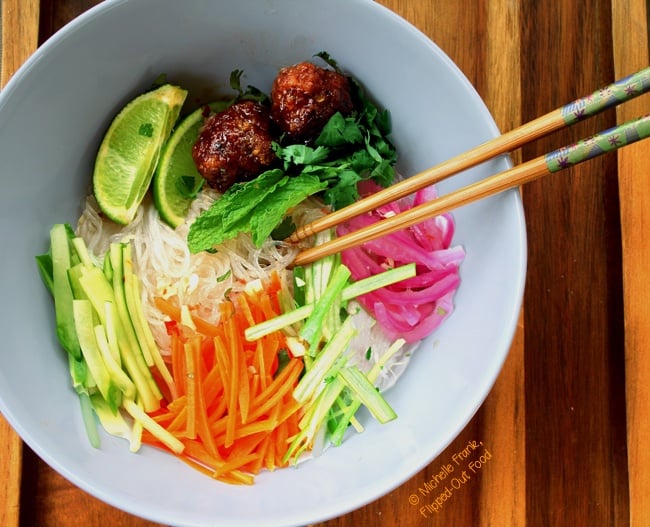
[{"x": 202, "y": 281}]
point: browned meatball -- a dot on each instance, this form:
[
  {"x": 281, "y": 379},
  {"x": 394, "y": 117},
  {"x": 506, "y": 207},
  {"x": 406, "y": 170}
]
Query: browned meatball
[
  {"x": 304, "y": 97},
  {"x": 234, "y": 145}
]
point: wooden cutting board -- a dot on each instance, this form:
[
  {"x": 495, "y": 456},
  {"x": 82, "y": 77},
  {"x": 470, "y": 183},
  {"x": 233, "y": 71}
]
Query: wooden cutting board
[
  {"x": 19, "y": 40},
  {"x": 563, "y": 456}
]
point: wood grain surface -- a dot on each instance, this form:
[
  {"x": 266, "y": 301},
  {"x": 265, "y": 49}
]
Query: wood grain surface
[{"x": 567, "y": 440}]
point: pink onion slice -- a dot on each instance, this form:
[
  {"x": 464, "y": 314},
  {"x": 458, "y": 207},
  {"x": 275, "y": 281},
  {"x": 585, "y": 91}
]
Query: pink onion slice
[{"x": 413, "y": 308}]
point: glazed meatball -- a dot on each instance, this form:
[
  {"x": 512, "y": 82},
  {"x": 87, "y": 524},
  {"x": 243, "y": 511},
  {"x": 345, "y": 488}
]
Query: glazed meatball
[
  {"x": 304, "y": 97},
  {"x": 234, "y": 145}
]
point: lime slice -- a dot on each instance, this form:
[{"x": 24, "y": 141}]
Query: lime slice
[
  {"x": 176, "y": 178},
  {"x": 130, "y": 150}
]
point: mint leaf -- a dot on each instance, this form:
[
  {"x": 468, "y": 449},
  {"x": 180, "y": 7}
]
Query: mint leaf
[
  {"x": 257, "y": 206},
  {"x": 249, "y": 195},
  {"x": 272, "y": 210},
  {"x": 205, "y": 233}
]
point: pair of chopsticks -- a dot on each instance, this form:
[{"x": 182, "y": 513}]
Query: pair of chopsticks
[{"x": 578, "y": 110}]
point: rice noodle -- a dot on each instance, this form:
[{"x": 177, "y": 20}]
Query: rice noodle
[
  {"x": 200, "y": 281},
  {"x": 166, "y": 267}
]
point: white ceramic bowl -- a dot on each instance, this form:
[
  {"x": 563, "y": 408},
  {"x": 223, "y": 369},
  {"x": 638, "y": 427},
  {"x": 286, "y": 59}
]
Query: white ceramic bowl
[{"x": 52, "y": 116}]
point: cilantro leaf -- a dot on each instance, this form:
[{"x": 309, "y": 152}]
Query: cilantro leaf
[
  {"x": 301, "y": 154},
  {"x": 340, "y": 131},
  {"x": 344, "y": 192},
  {"x": 348, "y": 150}
]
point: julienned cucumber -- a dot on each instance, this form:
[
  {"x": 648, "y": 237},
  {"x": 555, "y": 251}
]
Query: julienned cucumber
[
  {"x": 61, "y": 263},
  {"x": 331, "y": 391},
  {"x": 100, "y": 324}
]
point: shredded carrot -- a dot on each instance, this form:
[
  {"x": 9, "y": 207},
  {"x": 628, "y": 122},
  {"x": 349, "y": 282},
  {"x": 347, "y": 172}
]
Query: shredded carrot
[{"x": 234, "y": 412}]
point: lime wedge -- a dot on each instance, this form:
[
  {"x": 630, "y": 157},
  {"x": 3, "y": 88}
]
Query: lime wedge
[
  {"x": 177, "y": 179},
  {"x": 130, "y": 150}
]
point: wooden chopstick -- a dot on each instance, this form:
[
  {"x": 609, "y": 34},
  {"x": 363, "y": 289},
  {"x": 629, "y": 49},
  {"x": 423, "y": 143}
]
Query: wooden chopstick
[
  {"x": 607, "y": 97},
  {"x": 607, "y": 141}
]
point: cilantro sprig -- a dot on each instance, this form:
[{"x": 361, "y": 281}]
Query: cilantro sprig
[{"x": 349, "y": 149}]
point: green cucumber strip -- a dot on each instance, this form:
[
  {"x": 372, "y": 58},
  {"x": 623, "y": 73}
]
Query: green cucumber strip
[
  {"x": 355, "y": 289},
  {"x": 78, "y": 373},
  {"x": 132, "y": 356},
  {"x": 150, "y": 425},
  {"x": 88, "y": 419},
  {"x": 61, "y": 262},
  {"x": 368, "y": 394},
  {"x": 313, "y": 327},
  {"x": 44, "y": 265},
  {"x": 299, "y": 286},
  {"x": 74, "y": 275},
  {"x": 84, "y": 325},
  {"x": 136, "y": 312},
  {"x": 82, "y": 252},
  {"x": 97, "y": 289},
  {"x": 113, "y": 423},
  {"x": 315, "y": 375},
  {"x": 312, "y": 421},
  {"x": 348, "y": 413},
  {"x": 111, "y": 325},
  {"x": 117, "y": 374},
  {"x": 133, "y": 306},
  {"x": 374, "y": 282}
]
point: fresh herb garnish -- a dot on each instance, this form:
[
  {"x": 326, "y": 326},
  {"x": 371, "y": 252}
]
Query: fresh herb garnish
[
  {"x": 349, "y": 149},
  {"x": 256, "y": 206},
  {"x": 250, "y": 93}
]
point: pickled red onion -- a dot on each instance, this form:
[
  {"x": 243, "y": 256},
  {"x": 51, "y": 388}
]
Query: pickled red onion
[{"x": 414, "y": 308}]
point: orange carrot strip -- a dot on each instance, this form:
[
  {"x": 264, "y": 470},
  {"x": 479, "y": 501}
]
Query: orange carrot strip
[
  {"x": 271, "y": 347},
  {"x": 234, "y": 464},
  {"x": 280, "y": 386},
  {"x": 174, "y": 312},
  {"x": 267, "y": 452},
  {"x": 218, "y": 410},
  {"x": 207, "y": 353},
  {"x": 179, "y": 422},
  {"x": 245, "y": 308},
  {"x": 178, "y": 364},
  {"x": 164, "y": 419},
  {"x": 230, "y": 379},
  {"x": 197, "y": 451},
  {"x": 239, "y": 371},
  {"x": 255, "y": 384},
  {"x": 246, "y": 445},
  {"x": 281, "y": 434},
  {"x": 218, "y": 428},
  {"x": 260, "y": 364},
  {"x": 202, "y": 424},
  {"x": 177, "y": 404},
  {"x": 235, "y": 477},
  {"x": 212, "y": 385},
  {"x": 267, "y": 307}
]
